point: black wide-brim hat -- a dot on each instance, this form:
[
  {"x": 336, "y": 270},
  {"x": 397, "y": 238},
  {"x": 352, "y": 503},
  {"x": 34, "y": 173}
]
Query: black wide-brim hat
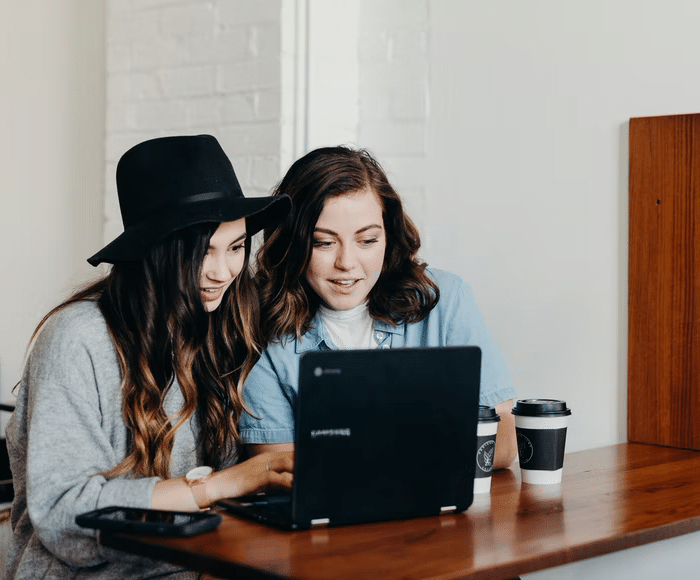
[{"x": 169, "y": 183}]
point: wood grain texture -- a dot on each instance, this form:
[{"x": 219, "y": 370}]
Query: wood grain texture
[
  {"x": 609, "y": 499},
  {"x": 664, "y": 281}
]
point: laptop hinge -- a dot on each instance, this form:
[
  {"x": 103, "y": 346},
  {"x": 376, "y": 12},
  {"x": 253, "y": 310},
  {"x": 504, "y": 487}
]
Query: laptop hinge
[
  {"x": 448, "y": 508},
  {"x": 320, "y": 522}
]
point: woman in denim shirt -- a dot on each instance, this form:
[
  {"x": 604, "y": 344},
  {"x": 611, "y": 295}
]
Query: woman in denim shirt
[{"x": 342, "y": 272}]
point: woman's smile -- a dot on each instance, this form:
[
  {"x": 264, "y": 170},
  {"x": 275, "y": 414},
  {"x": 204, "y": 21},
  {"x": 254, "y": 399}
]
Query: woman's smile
[{"x": 346, "y": 283}]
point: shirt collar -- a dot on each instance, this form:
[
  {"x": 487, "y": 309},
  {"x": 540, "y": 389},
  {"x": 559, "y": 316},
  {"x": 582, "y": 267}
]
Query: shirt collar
[
  {"x": 317, "y": 334},
  {"x": 385, "y": 327},
  {"x": 312, "y": 339}
]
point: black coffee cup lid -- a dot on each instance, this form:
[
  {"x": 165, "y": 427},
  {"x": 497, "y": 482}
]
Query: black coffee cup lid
[
  {"x": 541, "y": 407},
  {"x": 488, "y": 414}
]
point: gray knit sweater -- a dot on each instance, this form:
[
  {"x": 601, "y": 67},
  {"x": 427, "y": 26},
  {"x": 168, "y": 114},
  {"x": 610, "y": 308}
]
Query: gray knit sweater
[{"x": 67, "y": 426}]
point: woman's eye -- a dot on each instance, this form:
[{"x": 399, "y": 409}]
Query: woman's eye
[
  {"x": 369, "y": 241},
  {"x": 322, "y": 243},
  {"x": 236, "y": 249}
]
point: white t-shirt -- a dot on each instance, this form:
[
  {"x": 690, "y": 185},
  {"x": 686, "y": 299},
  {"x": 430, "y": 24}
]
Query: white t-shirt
[{"x": 349, "y": 328}]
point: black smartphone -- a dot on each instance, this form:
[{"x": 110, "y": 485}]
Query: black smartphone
[{"x": 145, "y": 521}]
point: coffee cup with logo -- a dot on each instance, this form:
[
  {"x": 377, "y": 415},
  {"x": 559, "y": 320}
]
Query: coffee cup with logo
[
  {"x": 540, "y": 427},
  {"x": 485, "y": 448}
]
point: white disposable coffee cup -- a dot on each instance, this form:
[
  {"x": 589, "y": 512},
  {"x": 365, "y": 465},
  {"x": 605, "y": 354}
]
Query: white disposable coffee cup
[
  {"x": 485, "y": 448},
  {"x": 540, "y": 426}
]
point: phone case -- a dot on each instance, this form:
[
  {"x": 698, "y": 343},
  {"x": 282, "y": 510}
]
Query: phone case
[{"x": 146, "y": 521}]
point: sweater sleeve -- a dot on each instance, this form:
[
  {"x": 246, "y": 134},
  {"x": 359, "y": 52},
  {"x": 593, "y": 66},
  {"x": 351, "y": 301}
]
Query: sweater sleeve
[{"x": 68, "y": 430}]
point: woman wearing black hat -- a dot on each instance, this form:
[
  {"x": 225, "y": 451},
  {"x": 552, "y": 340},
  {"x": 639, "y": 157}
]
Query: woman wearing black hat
[{"x": 131, "y": 392}]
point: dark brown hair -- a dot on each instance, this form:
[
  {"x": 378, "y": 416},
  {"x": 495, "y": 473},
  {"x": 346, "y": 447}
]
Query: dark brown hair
[
  {"x": 161, "y": 331},
  {"x": 403, "y": 293}
]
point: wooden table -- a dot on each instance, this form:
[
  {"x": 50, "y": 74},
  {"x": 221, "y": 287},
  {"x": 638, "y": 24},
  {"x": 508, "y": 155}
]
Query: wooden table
[{"x": 610, "y": 499}]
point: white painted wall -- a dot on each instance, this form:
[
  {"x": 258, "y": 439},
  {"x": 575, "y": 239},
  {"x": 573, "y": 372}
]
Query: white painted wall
[
  {"x": 527, "y": 192},
  {"x": 528, "y": 177},
  {"x": 367, "y": 86},
  {"x": 394, "y": 95},
  {"x": 333, "y": 73},
  {"x": 51, "y": 162}
]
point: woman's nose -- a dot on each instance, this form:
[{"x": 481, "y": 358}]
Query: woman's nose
[
  {"x": 217, "y": 269},
  {"x": 345, "y": 258}
]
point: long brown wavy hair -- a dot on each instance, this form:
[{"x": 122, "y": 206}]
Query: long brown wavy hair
[
  {"x": 161, "y": 331},
  {"x": 403, "y": 293}
]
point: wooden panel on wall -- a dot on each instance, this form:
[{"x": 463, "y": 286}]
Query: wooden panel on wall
[{"x": 663, "y": 365}]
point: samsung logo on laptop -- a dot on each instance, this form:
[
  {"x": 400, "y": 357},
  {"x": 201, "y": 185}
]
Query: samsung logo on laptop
[
  {"x": 318, "y": 371},
  {"x": 330, "y": 433}
]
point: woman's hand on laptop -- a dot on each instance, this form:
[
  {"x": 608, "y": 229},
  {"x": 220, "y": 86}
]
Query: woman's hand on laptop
[{"x": 267, "y": 472}]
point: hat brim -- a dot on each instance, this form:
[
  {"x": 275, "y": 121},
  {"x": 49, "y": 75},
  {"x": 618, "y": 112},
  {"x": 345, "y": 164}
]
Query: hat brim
[{"x": 134, "y": 243}]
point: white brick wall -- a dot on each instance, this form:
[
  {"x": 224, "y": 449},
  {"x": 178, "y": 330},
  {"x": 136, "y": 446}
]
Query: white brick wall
[
  {"x": 394, "y": 104},
  {"x": 195, "y": 66},
  {"x": 271, "y": 79},
  {"x": 333, "y": 72},
  {"x": 367, "y": 85}
]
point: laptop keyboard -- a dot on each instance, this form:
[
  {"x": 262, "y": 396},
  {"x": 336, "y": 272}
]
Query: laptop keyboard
[{"x": 277, "y": 504}]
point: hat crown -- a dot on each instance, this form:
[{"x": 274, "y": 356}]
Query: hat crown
[
  {"x": 170, "y": 183},
  {"x": 156, "y": 175}
]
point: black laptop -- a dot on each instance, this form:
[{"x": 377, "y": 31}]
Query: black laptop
[{"x": 381, "y": 434}]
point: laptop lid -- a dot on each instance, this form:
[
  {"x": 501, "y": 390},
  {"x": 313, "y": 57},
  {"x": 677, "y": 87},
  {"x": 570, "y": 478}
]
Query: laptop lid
[{"x": 385, "y": 434}]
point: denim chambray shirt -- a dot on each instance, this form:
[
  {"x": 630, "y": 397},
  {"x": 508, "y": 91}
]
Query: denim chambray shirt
[{"x": 271, "y": 388}]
